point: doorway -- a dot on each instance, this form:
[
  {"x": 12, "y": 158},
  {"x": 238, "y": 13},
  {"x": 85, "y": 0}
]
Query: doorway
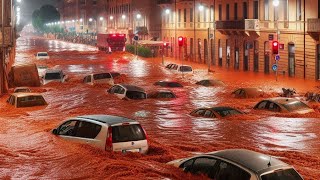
[
  {"x": 246, "y": 56},
  {"x": 256, "y": 57},
  {"x": 291, "y": 62}
]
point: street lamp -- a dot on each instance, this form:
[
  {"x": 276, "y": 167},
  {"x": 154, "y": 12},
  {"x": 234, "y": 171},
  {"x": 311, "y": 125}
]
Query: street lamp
[
  {"x": 138, "y": 16},
  {"x": 201, "y": 7},
  {"x": 90, "y": 19},
  {"x": 275, "y": 3},
  {"x": 167, "y": 11},
  {"x": 123, "y": 16}
]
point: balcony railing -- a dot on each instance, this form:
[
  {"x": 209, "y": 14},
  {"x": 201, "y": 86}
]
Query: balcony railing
[
  {"x": 314, "y": 25},
  {"x": 247, "y": 24},
  {"x": 282, "y": 25},
  {"x": 188, "y": 25}
]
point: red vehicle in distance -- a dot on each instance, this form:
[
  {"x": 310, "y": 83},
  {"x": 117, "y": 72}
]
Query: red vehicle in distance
[{"x": 111, "y": 42}]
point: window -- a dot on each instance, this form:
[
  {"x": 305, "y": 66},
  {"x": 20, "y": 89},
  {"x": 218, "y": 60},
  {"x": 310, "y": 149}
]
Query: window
[
  {"x": 125, "y": 133},
  {"x": 68, "y": 128},
  {"x": 185, "y": 15},
  {"x": 228, "y": 172},
  {"x": 199, "y": 112},
  {"x": 220, "y": 12},
  {"x": 186, "y": 166},
  {"x": 179, "y": 15},
  {"x": 191, "y": 14},
  {"x": 51, "y": 76},
  {"x": 274, "y": 107},
  {"x": 87, "y": 130},
  {"x": 262, "y": 105},
  {"x": 298, "y": 10},
  {"x": 94, "y": 2},
  {"x": 101, "y": 76},
  {"x": 255, "y": 9},
  {"x": 82, "y": 1},
  {"x": 204, "y": 165},
  {"x": 165, "y": 95},
  {"x": 266, "y": 10},
  {"x": 282, "y": 174},
  {"x": 227, "y": 12},
  {"x": 208, "y": 114},
  {"x": 235, "y": 11},
  {"x": 29, "y": 101},
  {"x": 136, "y": 95},
  {"x": 245, "y": 10}
]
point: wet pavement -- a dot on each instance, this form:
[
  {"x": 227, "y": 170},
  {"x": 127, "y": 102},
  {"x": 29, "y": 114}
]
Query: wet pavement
[{"x": 28, "y": 150}]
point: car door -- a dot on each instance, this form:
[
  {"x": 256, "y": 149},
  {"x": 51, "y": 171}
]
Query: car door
[
  {"x": 228, "y": 171},
  {"x": 87, "y": 132},
  {"x": 201, "y": 166}
]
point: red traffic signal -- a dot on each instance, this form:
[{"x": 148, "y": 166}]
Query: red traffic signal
[
  {"x": 180, "y": 41},
  {"x": 275, "y": 47},
  {"x": 165, "y": 44}
]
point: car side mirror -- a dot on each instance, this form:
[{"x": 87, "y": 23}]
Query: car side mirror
[{"x": 55, "y": 131}]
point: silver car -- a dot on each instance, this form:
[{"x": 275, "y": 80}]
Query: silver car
[{"x": 237, "y": 164}]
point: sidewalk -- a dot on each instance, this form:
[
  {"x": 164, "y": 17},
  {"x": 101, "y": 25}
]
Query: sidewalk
[{"x": 249, "y": 78}]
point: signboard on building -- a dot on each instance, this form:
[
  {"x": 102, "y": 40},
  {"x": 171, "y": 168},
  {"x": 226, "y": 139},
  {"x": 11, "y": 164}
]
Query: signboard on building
[
  {"x": 281, "y": 46},
  {"x": 7, "y": 41}
]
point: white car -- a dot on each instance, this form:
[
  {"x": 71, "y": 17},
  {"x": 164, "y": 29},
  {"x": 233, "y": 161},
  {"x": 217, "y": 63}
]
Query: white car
[
  {"x": 237, "y": 164},
  {"x": 99, "y": 78},
  {"x": 42, "y": 55},
  {"x": 124, "y": 91},
  {"x": 51, "y": 75},
  {"x": 20, "y": 100},
  {"x": 185, "y": 69},
  {"x": 105, "y": 132}
]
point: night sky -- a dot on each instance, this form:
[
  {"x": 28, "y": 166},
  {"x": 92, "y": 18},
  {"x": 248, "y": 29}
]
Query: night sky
[{"x": 28, "y": 6}]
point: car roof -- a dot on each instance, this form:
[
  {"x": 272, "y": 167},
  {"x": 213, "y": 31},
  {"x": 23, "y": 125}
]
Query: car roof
[
  {"x": 132, "y": 87},
  {"x": 255, "y": 161},
  {"x": 108, "y": 119},
  {"x": 282, "y": 100},
  {"x": 25, "y": 94},
  {"x": 53, "y": 71}
]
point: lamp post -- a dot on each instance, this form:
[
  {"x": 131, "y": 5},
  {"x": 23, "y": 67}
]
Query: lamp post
[{"x": 275, "y": 3}]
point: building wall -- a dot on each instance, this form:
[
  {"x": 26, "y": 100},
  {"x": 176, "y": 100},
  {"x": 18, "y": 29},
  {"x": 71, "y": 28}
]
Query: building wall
[{"x": 252, "y": 46}]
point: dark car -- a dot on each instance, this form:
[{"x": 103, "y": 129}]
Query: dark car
[
  {"x": 237, "y": 164},
  {"x": 210, "y": 82},
  {"x": 171, "y": 84},
  {"x": 124, "y": 91},
  {"x": 215, "y": 112},
  {"x": 162, "y": 94}
]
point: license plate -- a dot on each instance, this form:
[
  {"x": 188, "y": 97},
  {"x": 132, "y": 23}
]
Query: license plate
[{"x": 131, "y": 150}]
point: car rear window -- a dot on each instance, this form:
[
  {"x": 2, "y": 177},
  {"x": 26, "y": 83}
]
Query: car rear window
[
  {"x": 50, "y": 76},
  {"x": 136, "y": 95},
  {"x": 125, "y": 133},
  {"x": 42, "y": 54},
  {"x": 282, "y": 175},
  {"x": 101, "y": 76},
  {"x": 185, "y": 68},
  {"x": 29, "y": 101},
  {"x": 296, "y": 105}
]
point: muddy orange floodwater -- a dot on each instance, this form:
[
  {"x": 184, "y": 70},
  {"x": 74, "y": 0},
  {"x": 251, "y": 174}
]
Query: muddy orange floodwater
[{"x": 28, "y": 150}]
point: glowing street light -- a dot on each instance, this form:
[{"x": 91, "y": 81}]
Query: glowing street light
[
  {"x": 275, "y": 3},
  {"x": 101, "y": 18},
  {"x": 167, "y": 11},
  {"x": 138, "y": 16},
  {"x": 201, "y": 8},
  {"x": 81, "y": 20},
  {"x": 123, "y": 16},
  {"x": 90, "y": 19},
  {"x": 111, "y": 17}
]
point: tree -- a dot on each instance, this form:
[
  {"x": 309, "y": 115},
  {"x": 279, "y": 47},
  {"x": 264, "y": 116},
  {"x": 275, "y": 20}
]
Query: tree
[{"x": 46, "y": 14}]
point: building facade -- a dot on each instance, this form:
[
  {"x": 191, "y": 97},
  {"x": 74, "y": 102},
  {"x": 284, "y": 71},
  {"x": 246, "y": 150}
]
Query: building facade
[
  {"x": 238, "y": 34},
  {"x": 108, "y": 16}
]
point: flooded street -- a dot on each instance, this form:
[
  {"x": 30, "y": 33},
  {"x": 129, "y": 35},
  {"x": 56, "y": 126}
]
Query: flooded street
[{"x": 28, "y": 150}]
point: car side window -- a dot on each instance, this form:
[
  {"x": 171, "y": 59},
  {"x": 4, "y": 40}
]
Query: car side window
[
  {"x": 274, "y": 107},
  {"x": 209, "y": 114},
  {"x": 87, "y": 130},
  {"x": 262, "y": 105},
  {"x": 117, "y": 89},
  {"x": 200, "y": 112},
  {"x": 122, "y": 90},
  {"x": 204, "y": 165},
  {"x": 228, "y": 171},
  {"x": 68, "y": 128},
  {"x": 187, "y": 166}
]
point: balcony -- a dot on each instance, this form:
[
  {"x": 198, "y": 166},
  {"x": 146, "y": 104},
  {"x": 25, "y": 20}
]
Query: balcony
[
  {"x": 247, "y": 26},
  {"x": 164, "y": 2},
  {"x": 314, "y": 28}
]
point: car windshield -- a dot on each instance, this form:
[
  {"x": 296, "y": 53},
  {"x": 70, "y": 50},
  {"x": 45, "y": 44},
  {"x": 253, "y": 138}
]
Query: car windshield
[
  {"x": 296, "y": 105},
  {"x": 42, "y": 54},
  {"x": 125, "y": 133},
  {"x": 101, "y": 76},
  {"x": 50, "y": 76},
  {"x": 136, "y": 95},
  {"x": 185, "y": 69},
  {"x": 165, "y": 95},
  {"x": 227, "y": 112},
  {"x": 29, "y": 101},
  {"x": 287, "y": 174},
  {"x": 174, "y": 84}
]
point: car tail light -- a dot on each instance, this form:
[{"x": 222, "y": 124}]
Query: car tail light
[
  {"x": 145, "y": 133},
  {"x": 114, "y": 35},
  {"x": 109, "y": 139}
]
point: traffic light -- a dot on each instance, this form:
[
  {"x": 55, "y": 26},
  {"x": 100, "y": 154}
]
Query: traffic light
[
  {"x": 275, "y": 47},
  {"x": 180, "y": 41}
]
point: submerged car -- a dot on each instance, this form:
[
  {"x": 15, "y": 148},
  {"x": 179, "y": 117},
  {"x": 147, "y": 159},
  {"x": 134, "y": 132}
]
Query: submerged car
[
  {"x": 22, "y": 90},
  {"x": 210, "y": 82},
  {"x": 172, "y": 84},
  {"x": 99, "y": 78},
  {"x": 51, "y": 75},
  {"x": 185, "y": 69},
  {"x": 124, "y": 91},
  {"x": 237, "y": 164},
  {"x": 42, "y": 55},
  {"x": 162, "y": 94},
  {"x": 248, "y": 93},
  {"x": 19, "y": 100},
  {"x": 283, "y": 104},
  {"x": 106, "y": 132},
  {"x": 215, "y": 112},
  {"x": 171, "y": 66}
]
